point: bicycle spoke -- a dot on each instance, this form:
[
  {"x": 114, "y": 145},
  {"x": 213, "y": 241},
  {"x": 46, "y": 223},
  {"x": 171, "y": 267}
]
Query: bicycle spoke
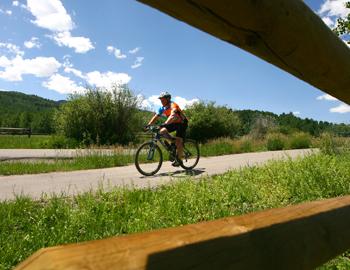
[
  {"x": 148, "y": 159},
  {"x": 191, "y": 155}
]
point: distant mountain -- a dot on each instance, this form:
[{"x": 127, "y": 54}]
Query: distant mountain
[
  {"x": 27, "y": 111},
  {"x": 287, "y": 122},
  {"x": 15, "y": 102}
]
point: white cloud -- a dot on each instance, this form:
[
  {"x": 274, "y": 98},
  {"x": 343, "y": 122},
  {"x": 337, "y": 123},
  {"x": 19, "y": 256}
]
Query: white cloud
[
  {"x": 331, "y": 10},
  {"x": 342, "y": 108},
  {"x": 76, "y": 72},
  {"x": 326, "y": 97},
  {"x": 328, "y": 21},
  {"x": 296, "y": 113},
  {"x": 110, "y": 49},
  {"x": 39, "y": 67},
  {"x": 15, "y": 3},
  {"x": 11, "y": 48},
  {"x": 107, "y": 79},
  {"x": 32, "y": 43},
  {"x": 98, "y": 79},
  {"x": 153, "y": 102},
  {"x": 63, "y": 85},
  {"x": 138, "y": 62},
  {"x": 334, "y": 8},
  {"x": 133, "y": 51},
  {"x": 80, "y": 44},
  {"x": 7, "y": 12},
  {"x": 50, "y": 14},
  {"x": 117, "y": 52},
  {"x": 4, "y": 61},
  {"x": 183, "y": 103}
]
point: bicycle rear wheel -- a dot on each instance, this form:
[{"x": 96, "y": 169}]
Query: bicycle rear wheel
[
  {"x": 191, "y": 154},
  {"x": 148, "y": 158}
]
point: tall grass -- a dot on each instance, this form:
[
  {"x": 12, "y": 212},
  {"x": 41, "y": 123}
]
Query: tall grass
[
  {"x": 36, "y": 142},
  {"x": 216, "y": 147},
  {"x": 27, "y": 225},
  {"x": 225, "y": 146},
  {"x": 93, "y": 161}
]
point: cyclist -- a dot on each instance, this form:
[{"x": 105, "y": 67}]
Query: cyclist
[{"x": 175, "y": 121}]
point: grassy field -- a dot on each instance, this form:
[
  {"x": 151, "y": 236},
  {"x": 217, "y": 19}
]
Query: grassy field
[
  {"x": 125, "y": 156},
  {"x": 35, "y": 142},
  {"x": 95, "y": 161},
  {"x": 121, "y": 157},
  {"x": 22, "y": 141},
  {"x": 27, "y": 225}
]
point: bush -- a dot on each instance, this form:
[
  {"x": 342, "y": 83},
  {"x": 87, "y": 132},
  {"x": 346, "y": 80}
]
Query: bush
[
  {"x": 208, "y": 121},
  {"x": 275, "y": 142},
  {"x": 59, "y": 142},
  {"x": 246, "y": 145},
  {"x": 100, "y": 116},
  {"x": 262, "y": 125},
  {"x": 300, "y": 140},
  {"x": 329, "y": 144}
]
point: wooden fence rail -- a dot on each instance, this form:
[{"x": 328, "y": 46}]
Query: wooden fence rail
[
  {"x": 285, "y": 33},
  {"x": 303, "y": 236},
  {"x": 16, "y": 131}
]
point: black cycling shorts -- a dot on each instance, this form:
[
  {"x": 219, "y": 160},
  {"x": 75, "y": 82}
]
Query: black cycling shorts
[{"x": 180, "y": 129}]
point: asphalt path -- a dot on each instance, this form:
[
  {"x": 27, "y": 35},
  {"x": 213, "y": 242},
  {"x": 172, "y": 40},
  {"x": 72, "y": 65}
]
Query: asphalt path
[{"x": 75, "y": 182}]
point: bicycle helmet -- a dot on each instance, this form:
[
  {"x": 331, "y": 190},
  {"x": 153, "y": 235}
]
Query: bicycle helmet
[{"x": 165, "y": 95}]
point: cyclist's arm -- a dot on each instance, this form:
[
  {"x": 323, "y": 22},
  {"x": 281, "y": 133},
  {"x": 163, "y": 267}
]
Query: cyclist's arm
[
  {"x": 153, "y": 120},
  {"x": 173, "y": 117}
]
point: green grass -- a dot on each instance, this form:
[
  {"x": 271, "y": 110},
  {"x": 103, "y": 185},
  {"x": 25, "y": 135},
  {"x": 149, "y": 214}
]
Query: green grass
[
  {"x": 36, "y": 142},
  {"x": 22, "y": 141},
  {"x": 27, "y": 225},
  {"x": 221, "y": 146},
  {"x": 95, "y": 161}
]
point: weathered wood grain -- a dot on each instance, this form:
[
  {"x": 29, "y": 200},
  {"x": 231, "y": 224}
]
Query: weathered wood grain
[{"x": 285, "y": 33}]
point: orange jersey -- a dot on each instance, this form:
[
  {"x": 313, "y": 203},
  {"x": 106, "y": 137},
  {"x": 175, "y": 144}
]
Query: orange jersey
[{"x": 166, "y": 111}]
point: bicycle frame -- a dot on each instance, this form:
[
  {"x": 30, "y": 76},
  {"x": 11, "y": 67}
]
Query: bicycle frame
[
  {"x": 157, "y": 137},
  {"x": 152, "y": 147}
]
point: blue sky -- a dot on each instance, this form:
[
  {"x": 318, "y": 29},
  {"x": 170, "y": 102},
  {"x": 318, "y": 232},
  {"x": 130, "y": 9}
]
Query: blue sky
[{"x": 51, "y": 48}]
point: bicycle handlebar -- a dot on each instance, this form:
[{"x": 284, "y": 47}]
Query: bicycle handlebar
[{"x": 152, "y": 128}]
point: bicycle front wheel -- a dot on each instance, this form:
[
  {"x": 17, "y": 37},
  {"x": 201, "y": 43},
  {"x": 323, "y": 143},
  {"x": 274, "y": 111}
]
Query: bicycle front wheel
[
  {"x": 148, "y": 158},
  {"x": 191, "y": 154}
]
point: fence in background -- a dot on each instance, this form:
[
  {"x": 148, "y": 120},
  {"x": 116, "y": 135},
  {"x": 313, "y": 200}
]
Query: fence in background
[{"x": 16, "y": 131}]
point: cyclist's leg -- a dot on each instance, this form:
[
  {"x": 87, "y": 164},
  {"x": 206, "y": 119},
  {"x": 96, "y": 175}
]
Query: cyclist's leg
[
  {"x": 180, "y": 136},
  {"x": 165, "y": 131}
]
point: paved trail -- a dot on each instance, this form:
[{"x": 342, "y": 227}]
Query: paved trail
[{"x": 71, "y": 183}]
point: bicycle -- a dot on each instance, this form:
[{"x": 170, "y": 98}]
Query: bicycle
[{"x": 149, "y": 156}]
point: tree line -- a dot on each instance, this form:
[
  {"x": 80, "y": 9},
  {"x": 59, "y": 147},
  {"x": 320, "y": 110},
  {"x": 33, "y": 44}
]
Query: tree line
[{"x": 113, "y": 116}]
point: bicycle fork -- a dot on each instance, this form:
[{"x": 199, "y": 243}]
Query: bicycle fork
[{"x": 150, "y": 154}]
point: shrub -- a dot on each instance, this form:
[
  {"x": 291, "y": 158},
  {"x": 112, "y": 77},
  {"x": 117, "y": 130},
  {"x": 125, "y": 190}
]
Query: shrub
[
  {"x": 246, "y": 146},
  {"x": 329, "y": 144},
  {"x": 300, "y": 140},
  {"x": 262, "y": 125},
  {"x": 209, "y": 121},
  {"x": 59, "y": 142},
  {"x": 275, "y": 142},
  {"x": 100, "y": 116}
]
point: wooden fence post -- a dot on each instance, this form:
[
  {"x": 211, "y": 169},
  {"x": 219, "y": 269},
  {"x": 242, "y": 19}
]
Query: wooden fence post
[{"x": 302, "y": 236}]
